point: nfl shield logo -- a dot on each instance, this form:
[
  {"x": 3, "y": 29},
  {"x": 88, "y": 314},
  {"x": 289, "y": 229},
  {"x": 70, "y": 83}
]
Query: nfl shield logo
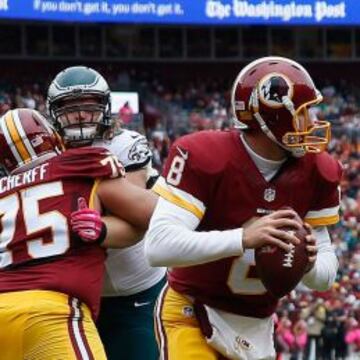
[{"x": 269, "y": 194}]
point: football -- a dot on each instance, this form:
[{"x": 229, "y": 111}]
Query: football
[{"x": 281, "y": 271}]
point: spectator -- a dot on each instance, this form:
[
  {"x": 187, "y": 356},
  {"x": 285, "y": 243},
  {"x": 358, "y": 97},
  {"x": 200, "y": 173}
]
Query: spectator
[
  {"x": 352, "y": 338},
  {"x": 300, "y": 339},
  {"x": 284, "y": 339},
  {"x": 126, "y": 113},
  {"x": 315, "y": 326}
]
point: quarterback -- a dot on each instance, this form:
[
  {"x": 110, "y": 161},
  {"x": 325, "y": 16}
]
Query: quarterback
[{"x": 221, "y": 196}]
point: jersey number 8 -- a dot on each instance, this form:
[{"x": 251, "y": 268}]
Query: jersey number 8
[{"x": 176, "y": 170}]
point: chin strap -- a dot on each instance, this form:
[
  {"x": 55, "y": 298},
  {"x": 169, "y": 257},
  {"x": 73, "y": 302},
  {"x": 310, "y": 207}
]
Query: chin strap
[{"x": 254, "y": 104}]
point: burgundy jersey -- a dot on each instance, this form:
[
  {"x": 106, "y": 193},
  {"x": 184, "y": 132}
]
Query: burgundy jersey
[
  {"x": 211, "y": 174},
  {"x": 37, "y": 250}
]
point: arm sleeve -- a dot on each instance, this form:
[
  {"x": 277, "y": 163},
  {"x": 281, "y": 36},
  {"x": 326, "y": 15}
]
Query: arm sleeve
[
  {"x": 172, "y": 241},
  {"x": 323, "y": 274}
]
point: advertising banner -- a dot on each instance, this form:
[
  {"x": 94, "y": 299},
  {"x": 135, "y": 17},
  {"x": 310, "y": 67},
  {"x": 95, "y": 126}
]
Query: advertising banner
[{"x": 195, "y": 12}]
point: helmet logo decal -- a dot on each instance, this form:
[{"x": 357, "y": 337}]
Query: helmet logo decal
[
  {"x": 239, "y": 105},
  {"x": 37, "y": 140},
  {"x": 139, "y": 152},
  {"x": 273, "y": 88}
]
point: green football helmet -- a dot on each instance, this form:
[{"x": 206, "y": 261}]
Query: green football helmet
[{"x": 79, "y": 105}]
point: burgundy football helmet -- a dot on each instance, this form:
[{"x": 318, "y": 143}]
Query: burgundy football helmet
[
  {"x": 26, "y": 139},
  {"x": 273, "y": 94}
]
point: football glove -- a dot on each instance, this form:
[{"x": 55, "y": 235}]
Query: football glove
[{"x": 87, "y": 223}]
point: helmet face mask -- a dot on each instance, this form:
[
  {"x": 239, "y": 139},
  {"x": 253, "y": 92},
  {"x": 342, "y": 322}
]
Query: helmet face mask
[
  {"x": 310, "y": 135},
  {"x": 273, "y": 95},
  {"x": 80, "y": 122},
  {"x": 79, "y": 104}
]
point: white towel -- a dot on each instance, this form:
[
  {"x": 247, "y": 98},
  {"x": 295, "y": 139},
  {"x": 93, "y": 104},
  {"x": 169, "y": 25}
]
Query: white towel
[{"x": 239, "y": 337}]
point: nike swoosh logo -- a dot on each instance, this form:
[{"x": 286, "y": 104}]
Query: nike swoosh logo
[
  {"x": 139, "y": 304},
  {"x": 184, "y": 154}
]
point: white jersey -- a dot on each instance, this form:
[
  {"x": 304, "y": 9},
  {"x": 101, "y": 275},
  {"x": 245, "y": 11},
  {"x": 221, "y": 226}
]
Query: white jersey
[{"x": 127, "y": 270}]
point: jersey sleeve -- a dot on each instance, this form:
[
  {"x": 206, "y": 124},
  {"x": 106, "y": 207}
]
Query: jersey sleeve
[
  {"x": 132, "y": 149},
  {"x": 184, "y": 181},
  {"x": 325, "y": 206},
  {"x": 88, "y": 162}
]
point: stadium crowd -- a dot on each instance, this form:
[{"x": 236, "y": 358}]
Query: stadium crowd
[{"x": 310, "y": 325}]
